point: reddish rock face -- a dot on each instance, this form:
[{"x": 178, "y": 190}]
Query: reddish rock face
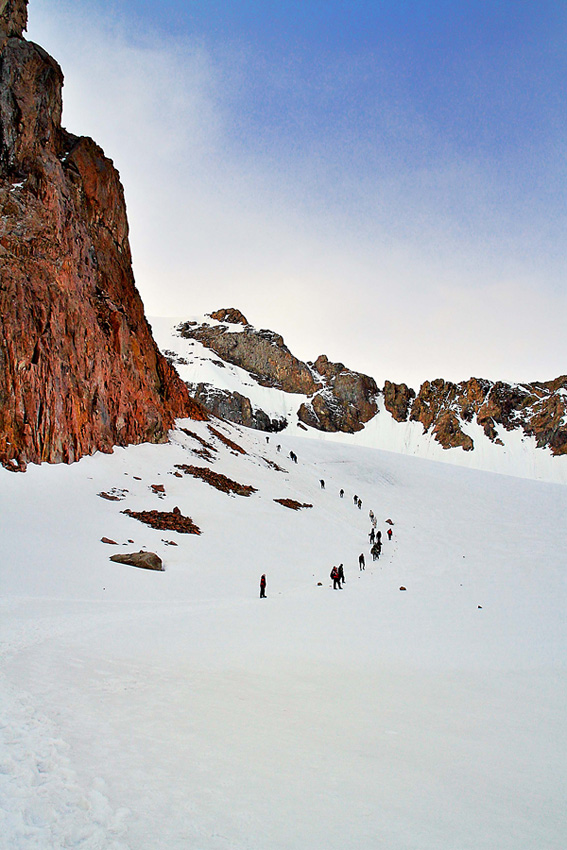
[
  {"x": 538, "y": 409},
  {"x": 397, "y": 400},
  {"x": 79, "y": 369}
]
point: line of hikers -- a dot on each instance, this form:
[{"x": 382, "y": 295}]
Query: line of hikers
[{"x": 375, "y": 538}]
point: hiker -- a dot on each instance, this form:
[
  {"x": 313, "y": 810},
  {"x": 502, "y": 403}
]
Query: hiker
[
  {"x": 267, "y": 439},
  {"x": 371, "y": 515},
  {"x": 263, "y": 586},
  {"x": 373, "y": 521},
  {"x": 379, "y": 537},
  {"x": 355, "y": 499},
  {"x": 390, "y": 532},
  {"x": 375, "y": 552},
  {"x": 361, "y": 562},
  {"x": 341, "y": 493},
  {"x": 279, "y": 448},
  {"x": 322, "y": 483},
  {"x": 371, "y": 535},
  {"x": 341, "y": 575},
  {"x": 359, "y": 504},
  {"x": 336, "y": 580}
]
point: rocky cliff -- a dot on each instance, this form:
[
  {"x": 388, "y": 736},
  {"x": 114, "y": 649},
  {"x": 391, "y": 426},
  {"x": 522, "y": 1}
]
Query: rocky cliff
[
  {"x": 538, "y": 409},
  {"x": 262, "y": 353},
  {"x": 79, "y": 369},
  {"x": 340, "y": 399}
]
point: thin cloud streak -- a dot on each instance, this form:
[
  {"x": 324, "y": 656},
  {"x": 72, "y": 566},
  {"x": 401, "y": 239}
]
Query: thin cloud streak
[{"x": 406, "y": 271}]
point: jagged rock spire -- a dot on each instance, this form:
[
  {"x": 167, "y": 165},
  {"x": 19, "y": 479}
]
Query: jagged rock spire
[{"x": 13, "y": 17}]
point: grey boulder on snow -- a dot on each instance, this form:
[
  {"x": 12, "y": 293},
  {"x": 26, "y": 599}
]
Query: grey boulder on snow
[{"x": 144, "y": 560}]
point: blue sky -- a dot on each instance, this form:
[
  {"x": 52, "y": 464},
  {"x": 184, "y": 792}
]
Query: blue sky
[{"x": 380, "y": 181}]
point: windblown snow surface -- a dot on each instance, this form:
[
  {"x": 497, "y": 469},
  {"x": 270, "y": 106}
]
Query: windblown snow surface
[{"x": 173, "y": 710}]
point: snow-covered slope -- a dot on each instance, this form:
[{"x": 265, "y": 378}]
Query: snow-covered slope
[
  {"x": 176, "y": 710},
  {"x": 515, "y": 453}
]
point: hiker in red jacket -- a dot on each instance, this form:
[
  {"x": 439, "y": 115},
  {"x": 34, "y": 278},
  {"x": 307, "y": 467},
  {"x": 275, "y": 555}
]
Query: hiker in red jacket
[
  {"x": 336, "y": 579},
  {"x": 263, "y": 587},
  {"x": 390, "y": 532}
]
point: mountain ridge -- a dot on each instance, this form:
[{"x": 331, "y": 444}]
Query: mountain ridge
[{"x": 446, "y": 418}]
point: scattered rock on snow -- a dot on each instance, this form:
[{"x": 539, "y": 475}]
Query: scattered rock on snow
[
  {"x": 114, "y": 495},
  {"x": 108, "y": 540},
  {"x": 166, "y": 520},
  {"x": 291, "y": 503},
  {"x": 217, "y": 480},
  {"x": 403, "y": 588},
  {"x": 144, "y": 560}
]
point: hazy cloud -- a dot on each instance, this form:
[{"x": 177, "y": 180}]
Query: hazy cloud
[{"x": 405, "y": 267}]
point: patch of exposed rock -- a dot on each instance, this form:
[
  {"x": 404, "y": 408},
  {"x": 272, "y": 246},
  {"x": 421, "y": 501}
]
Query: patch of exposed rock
[
  {"x": 293, "y": 504},
  {"x": 166, "y": 520},
  {"x": 217, "y": 480},
  {"x": 79, "y": 369}
]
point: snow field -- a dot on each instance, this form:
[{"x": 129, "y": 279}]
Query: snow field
[{"x": 177, "y": 710}]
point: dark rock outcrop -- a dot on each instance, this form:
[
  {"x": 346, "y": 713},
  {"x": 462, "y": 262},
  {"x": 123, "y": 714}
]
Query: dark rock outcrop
[
  {"x": 79, "y": 369},
  {"x": 235, "y": 407},
  {"x": 262, "y": 353},
  {"x": 339, "y": 399},
  {"x": 347, "y": 400}
]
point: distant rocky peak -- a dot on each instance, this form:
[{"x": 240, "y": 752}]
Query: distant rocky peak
[
  {"x": 13, "y": 18},
  {"x": 230, "y": 315}
]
